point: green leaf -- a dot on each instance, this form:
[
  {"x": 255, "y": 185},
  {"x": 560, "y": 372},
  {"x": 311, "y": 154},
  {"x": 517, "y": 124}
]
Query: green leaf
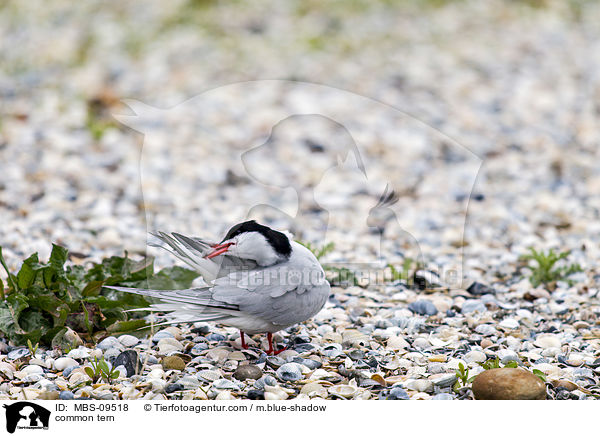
[
  {"x": 49, "y": 303},
  {"x": 103, "y": 366},
  {"x": 90, "y": 372},
  {"x": 93, "y": 288},
  {"x": 10, "y": 309},
  {"x": 470, "y": 380},
  {"x": 26, "y": 275},
  {"x": 181, "y": 277},
  {"x": 86, "y": 319},
  {"x": 58, "y": 257},
  {"x": 540, "y": 374},
  {"x": 32, "y": 335},
  {"x": 30, "y": 320},
  {"x": 126, "y": 326},
  {"x": 511, "y": 364},
  {"x": 168, "y": 278}
]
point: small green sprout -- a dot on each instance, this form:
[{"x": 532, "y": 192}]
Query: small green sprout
[
  {"x": 462, "y": 374},
  {"x": 100, "y": 369},
  {"x": 540, "y": 374},
  {"x": 319, "y": 252},
  {"x": 32, "y": 349},
  {"x": 546, "y": 270}
]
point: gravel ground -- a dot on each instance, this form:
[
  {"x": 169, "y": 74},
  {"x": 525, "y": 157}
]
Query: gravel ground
[{"x": 481, "y": 116}]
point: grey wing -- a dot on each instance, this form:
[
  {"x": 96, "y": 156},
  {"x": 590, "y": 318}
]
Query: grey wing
[
  {"x": 276, "y": 294},
  {"x": 192, "y": 250}
]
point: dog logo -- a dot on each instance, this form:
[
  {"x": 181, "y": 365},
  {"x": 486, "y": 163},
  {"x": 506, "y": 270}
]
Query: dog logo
[{"x": 26, "y": 415}]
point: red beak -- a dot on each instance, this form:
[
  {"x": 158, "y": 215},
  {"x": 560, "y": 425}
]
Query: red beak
[{"x": 218, "y": 249}]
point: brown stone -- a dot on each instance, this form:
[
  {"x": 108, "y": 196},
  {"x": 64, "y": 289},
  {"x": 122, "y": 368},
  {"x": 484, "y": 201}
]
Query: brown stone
[
  {"x": 244, "y": 372},
  {"x": 508, "y": 384},
  {"x": 173, "y": 362},
  {"x": 486, "y": 343}
]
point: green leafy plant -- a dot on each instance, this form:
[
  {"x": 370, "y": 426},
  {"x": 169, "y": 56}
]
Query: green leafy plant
[
  {"x": 546, "y": 270},
  {"x": 336, "y": 275},
  {"x": 319, "y": 252},
  {"x": 340, "y": 276},
  {"x": 32, "y": 348},
  {"x": 100, "y": 369},
  {"x": 462, "y": 374},
  {"x": 44, "y": 300},
  {"x": 491, "y": 363},
  {"x": 540, "y": 374},
  {"x": 495, "y": 363},
  {"x": 406, "y": 271}
]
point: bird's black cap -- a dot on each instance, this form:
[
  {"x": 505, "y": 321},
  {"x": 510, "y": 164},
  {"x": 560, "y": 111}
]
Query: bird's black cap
[{"x": 277, "y": 240}]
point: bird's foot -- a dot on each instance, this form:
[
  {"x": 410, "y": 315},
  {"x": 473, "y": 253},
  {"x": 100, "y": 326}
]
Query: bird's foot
[{"x": 271, "y": 351}]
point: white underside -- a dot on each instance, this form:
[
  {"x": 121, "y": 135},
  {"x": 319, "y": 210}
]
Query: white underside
[
  {"x": 182, "y": 313},
  {"x": 252, "y": 324}
]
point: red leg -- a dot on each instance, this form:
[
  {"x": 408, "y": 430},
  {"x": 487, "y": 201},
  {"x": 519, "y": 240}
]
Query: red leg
[
  {"x": 271, "y": 350},
  {"x": 244, "y": 345}
]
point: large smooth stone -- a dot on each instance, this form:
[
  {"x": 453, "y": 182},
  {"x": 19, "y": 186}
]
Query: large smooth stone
[{"x": 508, "y": 384}]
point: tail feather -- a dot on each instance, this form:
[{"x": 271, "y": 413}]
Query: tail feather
[
  {"x": 197, "y": 300},
  {"x": 184, "y": 306}
]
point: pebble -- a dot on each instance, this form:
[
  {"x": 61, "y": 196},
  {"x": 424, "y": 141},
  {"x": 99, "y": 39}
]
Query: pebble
[
  {"x": 128, "y": 340},
  {"x": 343, "y": 391},
  {"x": 547, "y": 341},
  {"x": 17, "y": 353},
  {"x": 485, "y": 343},
  {"x": 508, "y": 384},
  {"x": 66, "y": 395},
  {"x": 173, "y": 362},
  {"x": 444, "y": 396},
  {"x": 506, "y": 356},
  {"x": 129, "y": 359},
  {"x": 63, "y": 363},
  {"x": 109, "y": 342},
  {"x": 255, "y": 394},
  {"x": 289, "y": 372},
  {"x": 486, "y": 330},
  {"x": 443, "y": 380},
  {"x": 79, "y": 353},
  {"x": 173, "y": 387},
  {"x": 477, "y": 288},
  {"x": 162, "y": 334},
  {"x": 169, "y": 345},
  {"x": 33, "y": 369},
  {"x": 245, "y": 372},
  {"x": 275, "y": 393},
  {"x": 198, "y": 349},
  {"x": 509, "y": 323},
  {"x": 225, "y": 384},
  {"x": 470, "y": 306},
  {"x": 398, "y": 393},
  {"x": 215, "y": 337},
  {"x": 397, "y": 343},
  {"x": 419, "y": 385},
  {"x": 314, "y": 389},
  {"x": 475, "y": 356},
  {"x": 423, "y": 307}
]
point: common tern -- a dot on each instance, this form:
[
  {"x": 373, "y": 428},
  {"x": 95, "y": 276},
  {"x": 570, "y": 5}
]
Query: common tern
[{"x": 258, "y": 280}]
